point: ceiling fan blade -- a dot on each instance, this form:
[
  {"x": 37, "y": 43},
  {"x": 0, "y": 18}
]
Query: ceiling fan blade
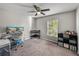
[
  {"x": 45, "y": 10},
  {"x": 35, "y": 7},
  {"x": 36, "y": 14},
  {"x": 42, "y": 13}
]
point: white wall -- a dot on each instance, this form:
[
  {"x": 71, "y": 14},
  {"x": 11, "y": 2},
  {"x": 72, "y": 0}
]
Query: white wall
[
  {"x": 77, "y": 23},
  {"x": 67, "y": 21},
  {"x": 34, "y": 24},
  {"x": 14, "y": 15}
]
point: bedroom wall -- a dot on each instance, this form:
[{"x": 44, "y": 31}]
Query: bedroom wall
[
  {"x": 77, "y": 23},
  {"x": 67, "y": 21},
  {"x": 12, "y": 15}
]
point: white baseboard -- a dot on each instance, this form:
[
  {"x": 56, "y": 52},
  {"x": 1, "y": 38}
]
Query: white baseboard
[
  {"x": 26, "y": 38},
  {"x": 55, "y": 41}
]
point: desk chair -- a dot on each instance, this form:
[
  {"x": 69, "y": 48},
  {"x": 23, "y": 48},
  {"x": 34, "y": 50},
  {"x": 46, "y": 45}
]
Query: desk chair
[
  {"x": 60, "y": 39},
  {"x": 73, "y": 42}
]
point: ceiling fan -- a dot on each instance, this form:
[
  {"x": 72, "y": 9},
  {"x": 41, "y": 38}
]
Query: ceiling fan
[{"x": 39, "y": 10}]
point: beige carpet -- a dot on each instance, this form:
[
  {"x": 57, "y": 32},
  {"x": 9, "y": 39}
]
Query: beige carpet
[{"x": 39, "y": 47}]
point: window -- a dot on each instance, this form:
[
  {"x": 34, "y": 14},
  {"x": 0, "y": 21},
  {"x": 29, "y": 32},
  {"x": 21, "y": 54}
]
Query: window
[{"x": 52, "y": 28}]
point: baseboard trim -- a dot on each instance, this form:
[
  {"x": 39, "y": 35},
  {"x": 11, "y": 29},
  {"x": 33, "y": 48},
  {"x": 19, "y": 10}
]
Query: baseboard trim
[
  {"x": 26, "y": 38},
  {"x": 50, "y": 40}
]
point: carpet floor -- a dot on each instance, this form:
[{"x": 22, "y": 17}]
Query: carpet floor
[{"x": 39, "y": 47}]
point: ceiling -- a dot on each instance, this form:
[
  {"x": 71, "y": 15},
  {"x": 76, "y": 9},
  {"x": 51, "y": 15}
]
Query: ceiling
[{"x": 54, "y": 7}]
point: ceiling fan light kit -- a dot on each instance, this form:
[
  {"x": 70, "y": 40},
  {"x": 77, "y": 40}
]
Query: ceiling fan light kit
[{"x": 39, "y": 10}]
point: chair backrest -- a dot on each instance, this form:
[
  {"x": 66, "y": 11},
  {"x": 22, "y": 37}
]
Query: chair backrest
[
  {"x": 60, "y": 35},
  {"x": 35, "y": 32},
  {"x": 74, "y": 38}
]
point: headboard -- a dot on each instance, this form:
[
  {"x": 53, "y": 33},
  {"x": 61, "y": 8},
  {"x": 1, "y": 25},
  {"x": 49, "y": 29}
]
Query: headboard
[{"x": 9, "y": 29}]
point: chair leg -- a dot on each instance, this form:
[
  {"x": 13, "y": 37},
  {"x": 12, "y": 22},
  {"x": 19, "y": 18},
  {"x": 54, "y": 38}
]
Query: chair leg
[
  {"x": 69, "y": 46},
  {"x": 57, "y": 43},
  {"x": 73, "y": 48},
  {"x": 63, "y": 44}
]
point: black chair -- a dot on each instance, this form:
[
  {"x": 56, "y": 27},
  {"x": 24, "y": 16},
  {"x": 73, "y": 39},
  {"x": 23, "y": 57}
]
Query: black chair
[
  {"x": 66, "y": 41},
  {"x": 35, "y": 34},
  {"x": 73, "y": 42},
  {"x": 60, "y": 39}
]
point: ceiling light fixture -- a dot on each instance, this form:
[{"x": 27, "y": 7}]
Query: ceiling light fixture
[{"x": 38, "y": 12}]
